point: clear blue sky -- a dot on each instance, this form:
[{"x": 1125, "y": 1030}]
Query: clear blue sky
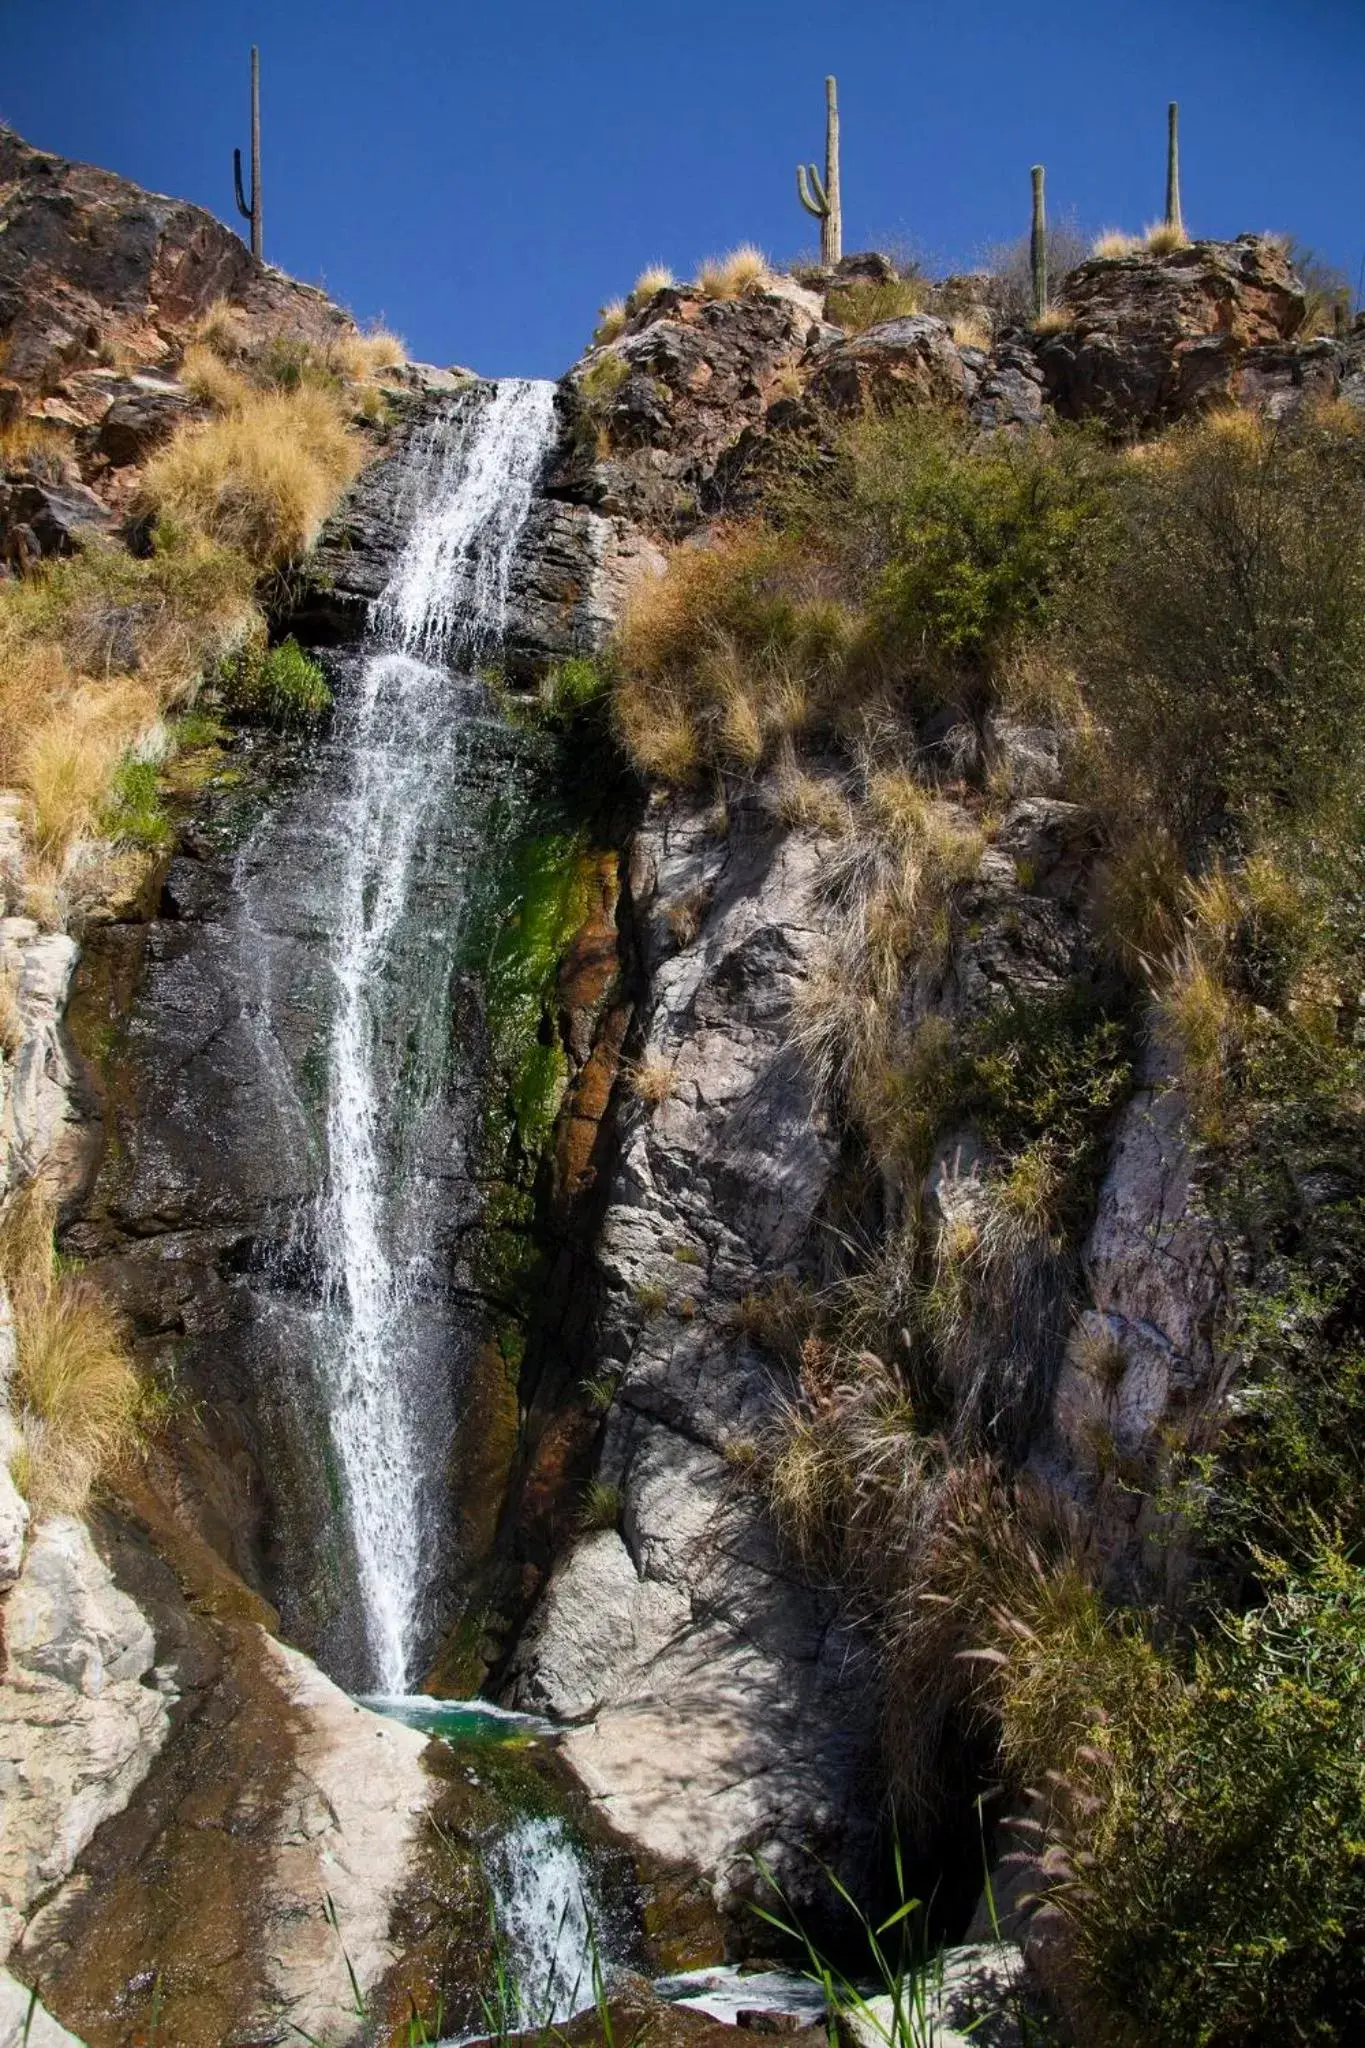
[{"x": 483, "y": 177}]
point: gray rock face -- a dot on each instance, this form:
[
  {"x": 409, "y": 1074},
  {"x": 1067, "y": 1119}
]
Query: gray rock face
[
  {"x": 723, "y": 1708},
  {"x": 79, "y": 1728},
  {"x": 1142, "y": 1354}
]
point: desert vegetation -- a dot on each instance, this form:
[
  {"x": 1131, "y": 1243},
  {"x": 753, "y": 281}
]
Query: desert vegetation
[
  {"x": 99, "y": 650},
  {"x": 1185, "y": 617}
]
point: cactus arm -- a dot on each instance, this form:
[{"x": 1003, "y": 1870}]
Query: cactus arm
[
  {"x": 242, "y": 206},
  {"x": 1038, "y": 245},
  {"x": 1173, "y": 217},
  {"x": 818, "y": 205}
]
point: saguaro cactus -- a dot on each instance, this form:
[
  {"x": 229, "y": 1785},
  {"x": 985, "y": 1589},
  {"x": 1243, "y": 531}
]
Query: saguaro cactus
[
  {"x": 1037, "y": 247},
  {"x": 252, "y": 212},
  {"x": 822, "y": 197},
  {"x": 1173, "y": 219}
]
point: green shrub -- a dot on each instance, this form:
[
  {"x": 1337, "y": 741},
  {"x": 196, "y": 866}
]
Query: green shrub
[
  {"x": 135, "y": 812},
  {"x": 984, "y": 536},
  {"x": 1222, "y": 635},
  {"x": 1221, "y": 1898},
  {"x": 281, "y": 686},
  {"x": 568, "y": 690}
]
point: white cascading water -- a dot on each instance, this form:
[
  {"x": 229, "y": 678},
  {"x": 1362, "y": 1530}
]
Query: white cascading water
[
  {"x": 545, "y": 1922},
  {"x": 471, "y": 489}
]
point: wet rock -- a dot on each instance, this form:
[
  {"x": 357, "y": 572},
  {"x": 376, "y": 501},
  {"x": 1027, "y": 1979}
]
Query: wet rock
[
  {"x": 912, "y": 360},
  {"x": 1154, "y": 338},
  {"x": 726, "y": 1710}
]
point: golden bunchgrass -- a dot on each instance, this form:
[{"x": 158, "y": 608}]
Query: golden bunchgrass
[
  {"x": 262, "y": 478},
  {"x": 74, "y": 1393},
  {"x": 725, "y": 277}
]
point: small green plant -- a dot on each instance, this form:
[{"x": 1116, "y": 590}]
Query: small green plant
[
  {"x": 568, "y": 691},
  {"x": 135, "y": 813},
  {"x": 651, "y": 1298},
  {"x": 601, "y": 1508},
  {"x": 599, "y": 1391},
  {"x": 281, "y": 686}
]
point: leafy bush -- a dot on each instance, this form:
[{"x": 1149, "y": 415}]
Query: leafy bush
[
  {"x": 981, "y": 537},
  {"x": 280, "y": 686},
  {"x": 1217, "y": 1895},
  {"x": 1222, "y": 634}
]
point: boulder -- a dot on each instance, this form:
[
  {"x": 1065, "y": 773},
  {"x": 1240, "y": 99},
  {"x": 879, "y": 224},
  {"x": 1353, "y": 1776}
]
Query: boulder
[
  {"x": 977, "y": 1996},
  {"x": 25, "y": 2021},
  {"x": 144, "y": 415},
  {"x": 690, "y": 375},
  {"x": 907, "y": 361},
  {"x": 56, "y": 517},
  {"x": 1152, "y": 339}
]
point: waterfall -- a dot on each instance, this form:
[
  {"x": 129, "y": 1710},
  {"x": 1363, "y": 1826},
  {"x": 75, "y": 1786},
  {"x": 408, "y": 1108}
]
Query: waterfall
[
  {"x": 545, "y": 1924},
  {"x": 470, "y": 490}
]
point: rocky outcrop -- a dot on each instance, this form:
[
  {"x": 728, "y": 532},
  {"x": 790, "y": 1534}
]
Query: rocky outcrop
[
  {"x": 911, "y": 361},
  {"x": 82, "y": 1715},
  {"x": 1151, "y": 339},
  {"x": 721, "y": 1707},
  {"x": 193, "y": 1878},
  {"x": 91, "y": 265},
  {"x": 653, "y": 414}
]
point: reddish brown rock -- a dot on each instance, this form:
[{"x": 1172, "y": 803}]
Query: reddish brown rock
[
  {"x": 654, "y": 414},
  {"x": 91, "y": 266},
  {"x": 1154, "y": 338},
  {"x": 912, "y": 360}
]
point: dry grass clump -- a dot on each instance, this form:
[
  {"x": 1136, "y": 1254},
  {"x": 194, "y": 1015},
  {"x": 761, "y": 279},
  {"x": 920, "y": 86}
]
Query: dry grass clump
[
  {"x": 655, "y": 277},
  {"x": 262, "y": 478},
  {"x": 969, "y": 333},
  {"x": 864, "y": 302},
  {"x": 1054, "y": 320},
  {"x": 889, "y": 879},
  {"x": 218, "y": 381},
  {"x": 732, "y": 650},
  {"x": 726, "y": 277},
  {"x": 75, "y": 1393},
  {"x": 26, "y": 440},
  {"x": 224, "y": 331},
  {"x": 653, "y": 1079},
  {"x": 1164, "y": 237},
  {"x": 612, "y": 321},
  {"x": 1112, "y": 244},
  {"x": 359, "y": 357},
  {"x": 69, "y": 756}
]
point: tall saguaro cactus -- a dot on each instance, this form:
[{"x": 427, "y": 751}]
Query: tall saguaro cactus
[
  {"x": 1173, "y": 219},
  {"x": 252, "y": 212},
  {"x": 822, "y": 198},
  {"x": 1037, "y": 247}
]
